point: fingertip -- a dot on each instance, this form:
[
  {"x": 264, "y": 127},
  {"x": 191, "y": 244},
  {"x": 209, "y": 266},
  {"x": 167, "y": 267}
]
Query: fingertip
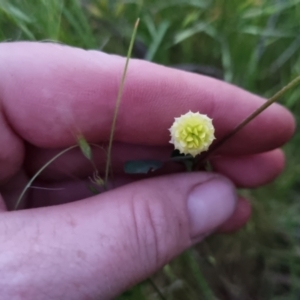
[{"x": 251, "y": 171}]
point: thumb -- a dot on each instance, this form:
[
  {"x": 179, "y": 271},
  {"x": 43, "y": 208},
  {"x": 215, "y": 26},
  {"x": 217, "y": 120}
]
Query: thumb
[{"x": 105, "y": 244}]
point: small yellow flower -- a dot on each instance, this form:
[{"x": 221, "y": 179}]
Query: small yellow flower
[{"x": 192, "y": 133}]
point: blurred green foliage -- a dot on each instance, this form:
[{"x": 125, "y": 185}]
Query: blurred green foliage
[{"x": 255, "y": 44}]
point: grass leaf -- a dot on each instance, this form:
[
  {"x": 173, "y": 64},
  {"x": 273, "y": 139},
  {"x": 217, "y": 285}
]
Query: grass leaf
[
  {"x": 120, "y": 92},
  {"x": 84, "y": 147},
  {"x": 161, "y": 31}
]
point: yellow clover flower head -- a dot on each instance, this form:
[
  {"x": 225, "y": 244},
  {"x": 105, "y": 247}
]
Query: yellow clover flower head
[{"x": 192, "y": 133}]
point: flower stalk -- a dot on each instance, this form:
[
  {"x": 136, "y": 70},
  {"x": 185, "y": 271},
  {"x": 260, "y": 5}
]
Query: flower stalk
[{"x": 247, "y": 120}]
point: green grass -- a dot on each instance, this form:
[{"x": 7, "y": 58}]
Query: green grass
[{"x": 256, "y": 44}]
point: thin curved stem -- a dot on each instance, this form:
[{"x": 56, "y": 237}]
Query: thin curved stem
[
  {"x": 252, "y": 116},
  {"x": 39, "y": 172},
  {"x": 120, "y": 92}
]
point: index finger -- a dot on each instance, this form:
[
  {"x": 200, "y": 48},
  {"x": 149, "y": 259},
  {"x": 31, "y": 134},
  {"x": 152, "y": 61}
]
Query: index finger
[{"x": 49, "y": 92}]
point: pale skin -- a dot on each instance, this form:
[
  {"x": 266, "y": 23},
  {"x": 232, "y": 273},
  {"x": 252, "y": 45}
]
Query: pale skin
[{"x": 99, "y": 246}]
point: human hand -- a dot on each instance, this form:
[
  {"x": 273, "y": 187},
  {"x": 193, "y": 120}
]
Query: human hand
[{"x": 100, "y": 246}]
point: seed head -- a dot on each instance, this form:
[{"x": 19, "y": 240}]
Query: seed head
[{"x": 192, "y": 133}]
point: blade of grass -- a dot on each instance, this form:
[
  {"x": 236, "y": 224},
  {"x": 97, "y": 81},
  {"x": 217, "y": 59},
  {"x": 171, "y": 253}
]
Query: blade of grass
[
  {"x": 149, "y": 22},
  {"x": 272, "y": 33},
  {"x": 84, "y": 147},
  {"x": 270, "y": 9},
  {"x": 161, "y": 31},
  {"x": 193, "y": 3},
  {"x": 188, "y": 33},
  {"x": 18, "y": 18},
  {"x": 54, "y": 16},
  {"x": 157, "y": 290},
  {"x": 201, "y": 281},
  {"x": 77, "y": 20},
  {"x": 286, "y": 55},
  {"x": 226, "y": 59},
  {"x": 120, "y": 92}
]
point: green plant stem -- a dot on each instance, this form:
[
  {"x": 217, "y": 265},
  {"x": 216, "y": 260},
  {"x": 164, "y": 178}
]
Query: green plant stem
[
  {"x": 120, "y": 92},
  {"x": 155, "y": 287},
  {"x": 45, "y": 166},
  {"x": 193, "y": 264},
  {"x": 39, "y": 172},
  {"x": 203, "y": 158}
]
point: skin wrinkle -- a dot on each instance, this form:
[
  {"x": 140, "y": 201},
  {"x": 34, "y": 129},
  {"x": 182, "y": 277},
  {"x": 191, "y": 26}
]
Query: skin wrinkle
[
  {"x": 153, "y": 237},
  {"x": 151, "y": 216},
  {"x": 133, "y": 247},
  {"x": 111, "y": 244},
  {"x": 136, "y": 231},
  {"x": 161, "y": 213}
]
